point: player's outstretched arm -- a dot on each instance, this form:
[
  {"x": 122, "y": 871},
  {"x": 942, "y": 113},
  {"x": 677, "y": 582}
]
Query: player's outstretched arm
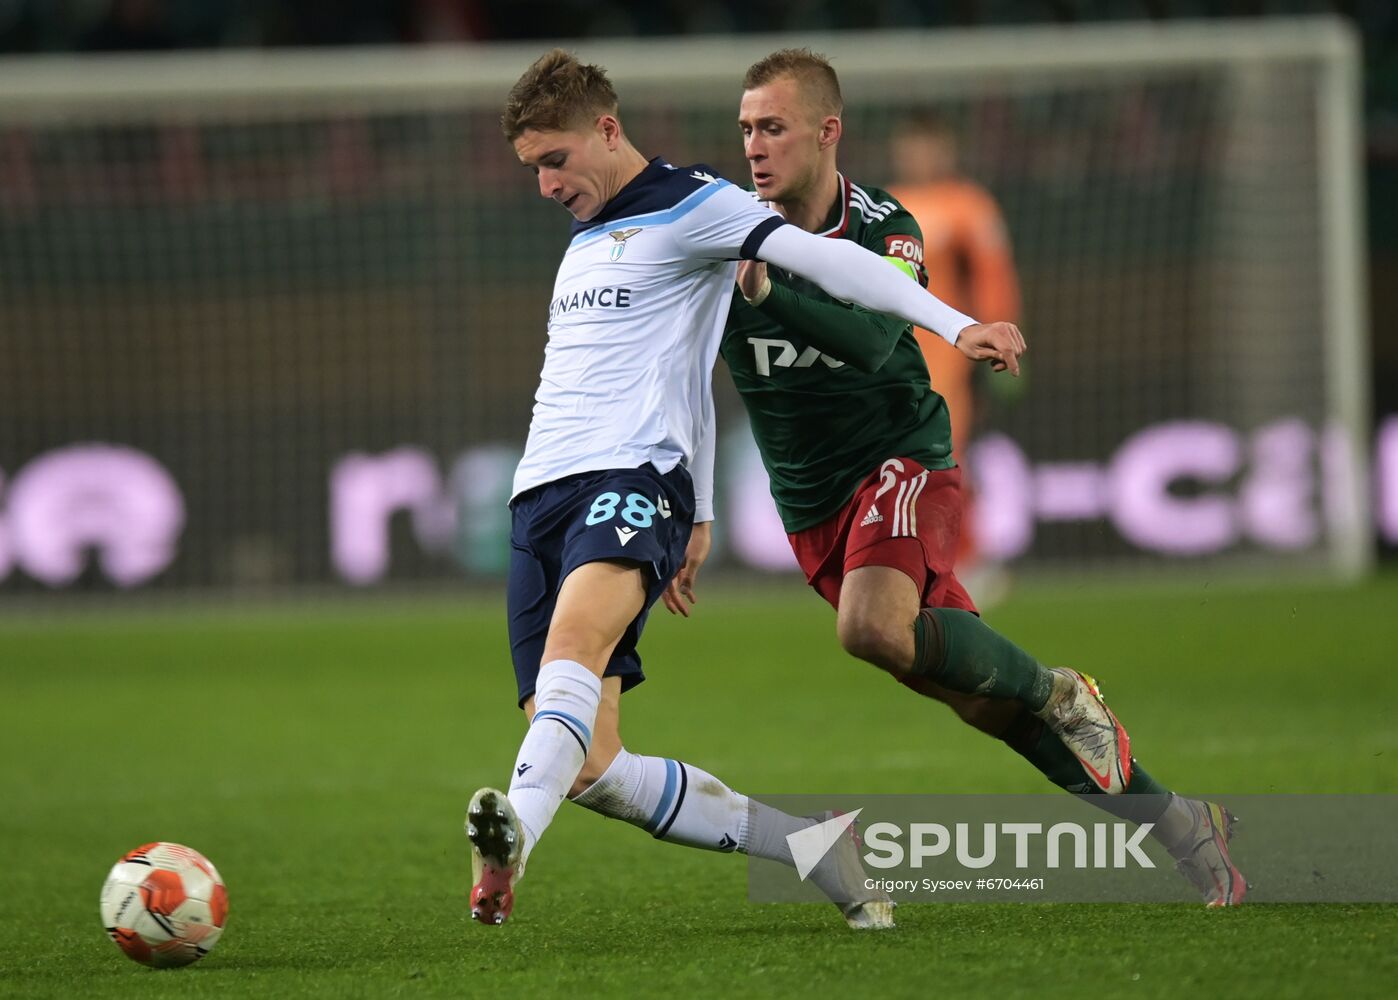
[
  {"x": 851, "y": 273},
  {"x": 855, "y": 336}
]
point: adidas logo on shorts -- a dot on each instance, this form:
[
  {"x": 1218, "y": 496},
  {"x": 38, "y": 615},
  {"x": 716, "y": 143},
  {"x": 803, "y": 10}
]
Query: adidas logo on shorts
[{"x": 873, "y": 517}]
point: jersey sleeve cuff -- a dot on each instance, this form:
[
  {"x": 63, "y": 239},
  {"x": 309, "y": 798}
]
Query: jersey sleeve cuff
[{"x": 759, "y": 233}]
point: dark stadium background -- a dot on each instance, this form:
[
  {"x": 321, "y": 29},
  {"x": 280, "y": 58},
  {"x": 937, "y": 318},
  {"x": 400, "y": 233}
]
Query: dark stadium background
[
  {"x": 35, "y": 26},
  {"x": 322, "y": 752},
  {"x": 63, "y": 26}
]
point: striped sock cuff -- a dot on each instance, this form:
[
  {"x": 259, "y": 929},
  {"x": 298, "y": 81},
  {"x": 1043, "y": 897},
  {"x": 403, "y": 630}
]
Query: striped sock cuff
[
  {"x": 575, "y": 726},
  {"x": 671, "y": 798},
  {"x": 568, "y": 694}
]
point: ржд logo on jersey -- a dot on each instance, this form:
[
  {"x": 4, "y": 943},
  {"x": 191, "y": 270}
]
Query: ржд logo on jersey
[{"x": 787, "y": 355}]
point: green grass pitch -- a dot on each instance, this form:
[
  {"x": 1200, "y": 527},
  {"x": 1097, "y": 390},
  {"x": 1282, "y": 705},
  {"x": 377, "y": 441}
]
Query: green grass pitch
[{"x": 323, "y": 756}]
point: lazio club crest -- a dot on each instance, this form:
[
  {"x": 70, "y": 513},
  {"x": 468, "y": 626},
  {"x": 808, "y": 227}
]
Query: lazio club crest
[{"x": 621, "y": 236}]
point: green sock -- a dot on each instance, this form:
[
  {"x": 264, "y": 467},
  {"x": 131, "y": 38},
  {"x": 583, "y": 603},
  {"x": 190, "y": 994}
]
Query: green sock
[
  {"x": 1036, "y": 743},
  {"x": 959, "y": 651},
  {"x": 1131, "y": 804}
]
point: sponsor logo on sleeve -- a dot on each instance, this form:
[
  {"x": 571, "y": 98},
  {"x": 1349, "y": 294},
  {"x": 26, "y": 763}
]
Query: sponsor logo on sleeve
[{"x": 909, "y": 248}]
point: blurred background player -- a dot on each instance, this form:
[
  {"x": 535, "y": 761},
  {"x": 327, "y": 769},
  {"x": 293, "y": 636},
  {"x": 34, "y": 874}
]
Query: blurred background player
[
  {"x": 858, "y": 448},
  {"x": 969, "y": 263},
  {"x": 613, "y": 496}
]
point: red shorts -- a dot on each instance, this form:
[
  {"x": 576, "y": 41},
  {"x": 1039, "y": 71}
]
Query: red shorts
[{"x": 903, "y": 516}]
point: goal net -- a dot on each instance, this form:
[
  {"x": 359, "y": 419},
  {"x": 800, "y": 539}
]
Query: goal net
[{"x": 277, "y": 318}]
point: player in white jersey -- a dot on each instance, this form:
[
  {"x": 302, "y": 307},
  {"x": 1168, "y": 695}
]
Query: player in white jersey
[{"x": 613, "y": 498}]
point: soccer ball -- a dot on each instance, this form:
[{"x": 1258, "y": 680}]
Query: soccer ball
[{"x": 164, "y": 905}]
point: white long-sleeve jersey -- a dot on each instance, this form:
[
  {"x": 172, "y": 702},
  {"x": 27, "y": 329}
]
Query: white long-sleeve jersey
[
  {"x": 637, "y": 314},
  {"x": 638, "y": 311}
]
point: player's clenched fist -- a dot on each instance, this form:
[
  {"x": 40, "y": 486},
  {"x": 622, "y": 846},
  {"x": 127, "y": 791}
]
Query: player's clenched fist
[{"x": 999, "y": 343}]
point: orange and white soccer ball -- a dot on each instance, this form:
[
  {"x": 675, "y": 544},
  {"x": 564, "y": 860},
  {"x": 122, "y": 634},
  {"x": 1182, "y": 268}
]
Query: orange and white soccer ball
[{"x": 164, "y": 905}]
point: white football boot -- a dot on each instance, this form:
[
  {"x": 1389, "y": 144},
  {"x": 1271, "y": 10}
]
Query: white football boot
[
  {"x": 1081, "y": 719},
  {"x": 1202, "y": 855},
  {"x": 497, "y": 846},
  {"x": 840, "y": 875}
]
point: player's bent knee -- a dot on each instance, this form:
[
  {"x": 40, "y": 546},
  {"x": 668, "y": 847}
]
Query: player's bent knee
[{"x": 873, "y": 640}]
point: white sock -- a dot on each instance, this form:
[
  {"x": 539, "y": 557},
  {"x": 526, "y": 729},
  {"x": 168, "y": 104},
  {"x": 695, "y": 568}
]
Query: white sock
[
  {"x": 768, "y": 830},
  {"x": 1176, "y": 825},
  {"x": 671, "y": 801},
  {"x": 553, "y": 751},
  {"x": 684, "y": 804}
]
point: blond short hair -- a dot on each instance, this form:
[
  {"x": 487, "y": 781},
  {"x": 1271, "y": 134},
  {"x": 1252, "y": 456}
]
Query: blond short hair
[
  {"x": 555, "y": 94},
  {"x": 814, "y": 76}
]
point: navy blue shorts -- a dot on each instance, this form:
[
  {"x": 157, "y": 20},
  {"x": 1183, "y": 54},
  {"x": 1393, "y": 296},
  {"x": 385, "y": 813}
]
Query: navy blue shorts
[{"x": 625, "y": 515}]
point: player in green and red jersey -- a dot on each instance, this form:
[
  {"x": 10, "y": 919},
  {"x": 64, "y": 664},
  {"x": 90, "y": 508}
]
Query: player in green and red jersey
[{"x": 858, "y": 448}]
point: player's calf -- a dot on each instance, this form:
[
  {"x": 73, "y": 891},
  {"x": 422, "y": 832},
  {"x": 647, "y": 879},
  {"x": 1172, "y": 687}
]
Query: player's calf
[
  {"x": 956, "y": 650},
  {"x": 682, "y": 804},
  {"x": 988, "y": 715}
]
